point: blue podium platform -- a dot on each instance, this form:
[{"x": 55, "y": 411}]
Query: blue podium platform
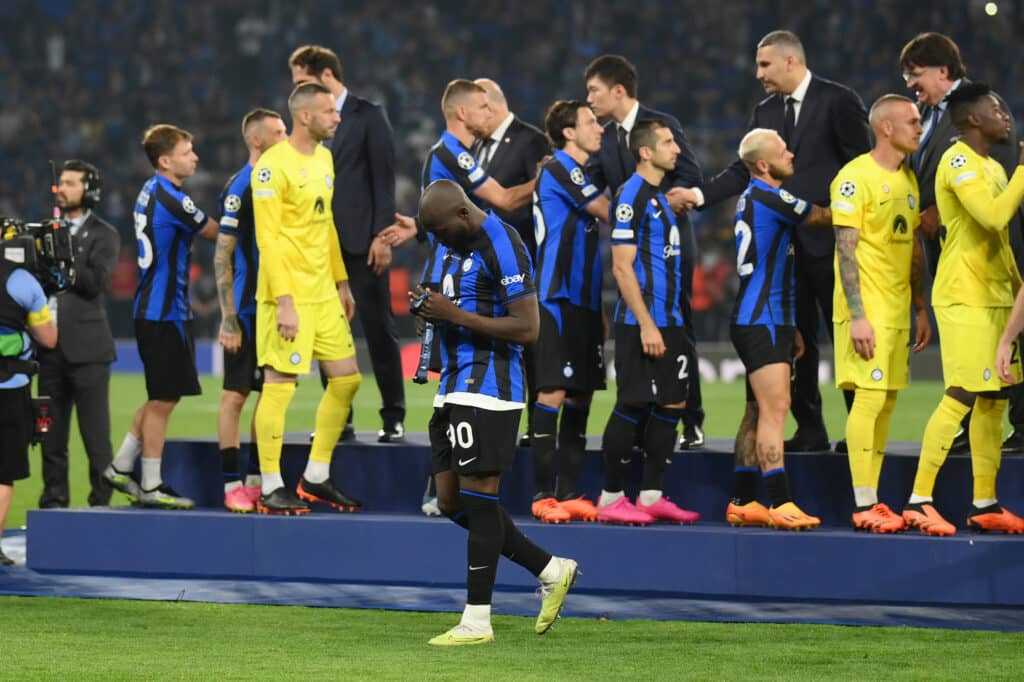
[
  {"x": 707, "y": 560},
  {"x": 391, "y": 478}
]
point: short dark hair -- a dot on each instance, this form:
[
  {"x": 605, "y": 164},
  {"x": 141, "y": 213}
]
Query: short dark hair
[
  {"x": 933, "y": 49},
  {"x": 257, "y": 116},
  {"x": 561, "y": 115},
  {"x": 961, "y": 102},
  {"x": 315, "y": 58},
  {"x": 645, "y": 134},
  {"x": 614, "y": 69},
  {"x": 784, "y": 39},
  {"x": 161, "y": 139},
  {"x": 92, "y": 181}
]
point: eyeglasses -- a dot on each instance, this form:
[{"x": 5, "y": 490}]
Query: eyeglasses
[{"x": 916, "y": 73}]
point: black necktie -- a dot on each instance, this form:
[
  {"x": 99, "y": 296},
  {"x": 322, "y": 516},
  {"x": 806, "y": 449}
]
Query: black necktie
[
  {"x": 790, "y": 124},
  {"x": 624, "y": 153},
  {"x": 486, "y": 152}
]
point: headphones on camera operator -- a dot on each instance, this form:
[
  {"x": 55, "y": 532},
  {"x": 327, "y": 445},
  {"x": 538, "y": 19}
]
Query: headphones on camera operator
[{"x": 91, "y": 179}]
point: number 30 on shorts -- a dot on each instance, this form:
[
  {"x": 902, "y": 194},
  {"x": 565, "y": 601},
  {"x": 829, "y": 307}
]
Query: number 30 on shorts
[{"x": 461, "y": 435}]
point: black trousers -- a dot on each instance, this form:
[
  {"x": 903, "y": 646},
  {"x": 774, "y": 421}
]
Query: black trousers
[
  {"x": 815, "y": 280},
  {"x": 86, "y": 387},
  {"x": 373, "y": 315},
  {"x": 693, "y": 413}
]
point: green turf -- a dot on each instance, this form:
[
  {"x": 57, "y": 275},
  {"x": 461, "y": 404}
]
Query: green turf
[
  {"x": 196, "y": 416},
  {"x": 83, "y": 639}
]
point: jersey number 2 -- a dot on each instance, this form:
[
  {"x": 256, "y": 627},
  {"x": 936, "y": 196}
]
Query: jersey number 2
[{"x": 745, "y": 235}]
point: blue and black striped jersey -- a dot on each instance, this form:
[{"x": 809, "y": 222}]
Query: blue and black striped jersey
[
  {"x": 765, "y": 218},
  {"x": 448, "y": 159},
  {"x": 236, "y": 219},
  {"x": 568, "y": 255},
  {"x": 166, "y": 221},
  {"x": 482, "y": 371},
  {"x": 641, "y": 217}
]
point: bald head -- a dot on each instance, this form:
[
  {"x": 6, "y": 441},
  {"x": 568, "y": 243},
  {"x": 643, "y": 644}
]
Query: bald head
[
  {"x": 886, "y": 108},
  {"x": 896, "y": 124},
  {"x": 494, "y": 94}
]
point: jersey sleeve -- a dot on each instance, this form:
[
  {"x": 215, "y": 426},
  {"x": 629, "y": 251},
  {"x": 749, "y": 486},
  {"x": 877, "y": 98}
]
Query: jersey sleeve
[
  {"x": 849, "y": 198},
  {"x": 181, "y": 206},
  {"x": 625, "y": 218},
  {"x": 512, "y": 268},
  {"x": 462, "y": 168},
  {"x": 268, "y": 187},
  {"x": 782, "y": 202},
  {"x": 572, "y": 185},
  {"x": 231, "y": 205},
  {"x": 28, "y": 294},
  {"x": 965, "y": 176}
]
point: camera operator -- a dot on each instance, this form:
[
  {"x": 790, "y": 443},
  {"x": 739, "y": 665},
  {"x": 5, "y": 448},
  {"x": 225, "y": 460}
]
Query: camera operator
[
  {"x": 23, "y": 316},
  {"x": 77, "y": 372}
]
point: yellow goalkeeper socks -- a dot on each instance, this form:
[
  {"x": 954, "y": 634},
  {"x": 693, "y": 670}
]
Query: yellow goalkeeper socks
[
  {"x": 935, "y": 444},
  {"x": 860, "y": 443},
  {"x": 269, "y": 423},
  {"x": 331, "y": 415},
  {"x": 882, "y": 436},
  {"x": 986, "y": 449}
]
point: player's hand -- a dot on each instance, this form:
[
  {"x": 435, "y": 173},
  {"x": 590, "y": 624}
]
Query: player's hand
[
  {"x": 652, "y": 341},
  {"x": 348, "y": 303},
  {"x": 287, "y": 318},
  {"x": 798, "y": 345},
  {"x": 863, "y": 336},
  {"x": 929, "y": 222},
  {"x": 1004, "y": 360},
  {"x": 922, "y": 331},
  {"x": 380, "y": 255},
  {"x": 681, "y": 199},
  {"x": 435, "y": 307},
  {"x": 399, "y": 232},
  {"x": 230, "y": 333}
]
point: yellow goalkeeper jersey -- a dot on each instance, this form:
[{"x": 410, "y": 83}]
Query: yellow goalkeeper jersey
[
  {"x": 976, "y": 203},
  {"x": 883, "y": 206},
  {"x": 298, "y": 244}
]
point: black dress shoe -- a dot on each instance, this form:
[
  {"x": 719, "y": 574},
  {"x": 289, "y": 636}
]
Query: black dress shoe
[
  {"x": 802, "y": 444},
  {"x": 326, "y": 493},
  {"x": 391, "y": 433},
  {"x": 1014, "y": 443},
  {"x": 841, "y": 448},
  {"x": 961, "y": 443}
]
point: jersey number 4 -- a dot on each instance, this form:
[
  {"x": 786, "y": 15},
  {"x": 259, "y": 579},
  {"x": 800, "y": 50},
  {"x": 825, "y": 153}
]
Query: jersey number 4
[{"x": 744, "y": 235}]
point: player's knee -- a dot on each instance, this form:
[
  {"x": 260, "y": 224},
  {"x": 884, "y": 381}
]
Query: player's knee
[{"x": 232, "y": 400}]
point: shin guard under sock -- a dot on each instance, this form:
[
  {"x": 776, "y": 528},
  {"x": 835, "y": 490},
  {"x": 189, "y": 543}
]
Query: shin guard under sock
[
  {"x": 483, "y": 547},
  {"x": 572, "y": 443},
  {"x": 659, "y": 442},
  {"x": 542, "y": 440}
]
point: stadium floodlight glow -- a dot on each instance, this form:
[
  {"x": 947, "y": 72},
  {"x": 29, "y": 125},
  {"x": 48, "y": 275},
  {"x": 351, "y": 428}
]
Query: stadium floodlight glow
[{"x": 991, "y": 9}]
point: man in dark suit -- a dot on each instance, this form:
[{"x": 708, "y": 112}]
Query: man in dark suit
[
  {"x": 825, "y": 125},
  {"x": 611, "y": 82},
  {"x": 77, "y": 371},
  {"x": 932, "y": 67},
  {"x": 510, "y": 153},
  {"x": 364, "y": 204}
]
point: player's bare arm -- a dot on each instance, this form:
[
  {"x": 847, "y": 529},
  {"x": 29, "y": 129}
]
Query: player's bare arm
[
  {"x": 819, "y": 216},
  {"x": 505, "y": 198},
  {"x": 210, "y": 230},
  {"x": 520, "y": 325},
  {"x": 623, "y": 256},
  {"x": 922, "y": 325},
  {"x": 599, "y": 207},
  {"x": 861, "y": 332},
  {"x": 230, "y": 329}
]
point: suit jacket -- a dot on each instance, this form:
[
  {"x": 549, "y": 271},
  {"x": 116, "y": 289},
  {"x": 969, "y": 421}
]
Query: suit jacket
[
  {"x": 608, "y": 169},
  {"x": 832, "y": 129},
  {"x": 83, "y": 330},
  {"x": 363, "y": 148},
  {"x": 513, "y": 163}
]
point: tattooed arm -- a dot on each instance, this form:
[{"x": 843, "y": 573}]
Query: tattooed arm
[
  {"x": 861, "y": 332},
  {"x": 230, "y": 329},
  {"x": 922, "y": 325}
]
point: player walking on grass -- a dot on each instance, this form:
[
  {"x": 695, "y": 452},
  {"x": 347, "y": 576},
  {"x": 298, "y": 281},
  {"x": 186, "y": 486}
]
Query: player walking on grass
[
  {"x": 764, "y": 329},
  {"x": 652, "y": 349},
  {"x": 879, "y": 274},
  {"x": 303, "y": 301},
  {"x": 486, "y": 311},
  {"x": 975, "y": 284},
  {"x": 235, "y": 262}
]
